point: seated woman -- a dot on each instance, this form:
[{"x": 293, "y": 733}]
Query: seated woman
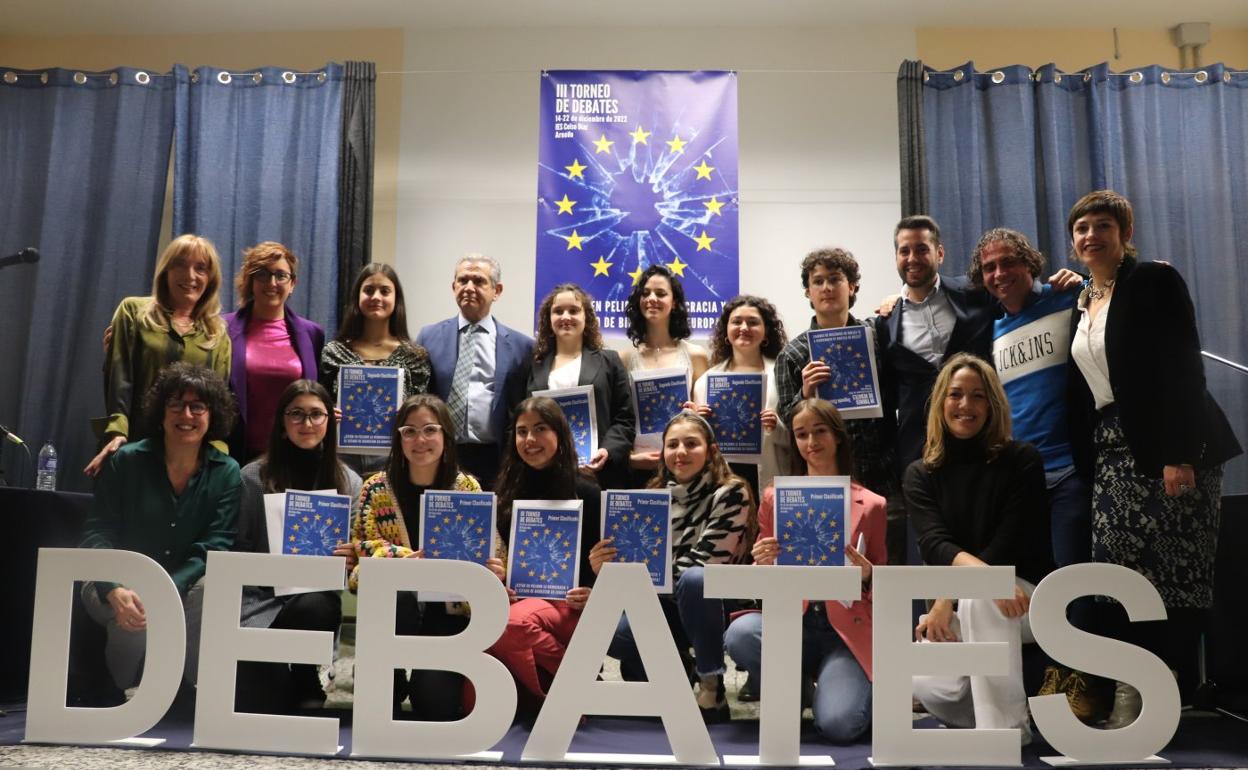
[
  {"x": 569, "y": 352},
  {"x": 540, "y": 464},
  {"x": 712, "y": 523},
  {"x": 977, "y": 498},
  {"x": 172, "y": 497},
  {"x": 300, "y": 455},
  {"x": 836, "y": 640},
  {"x": 386, "y": 524}
]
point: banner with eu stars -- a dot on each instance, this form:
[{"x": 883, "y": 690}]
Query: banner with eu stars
[
  {"x": 638, "y": 168},
  {"x": 545, "y": 548},
  {"x": 812, "y": 520},
  {"x": 854, "y": 385},
  {"x": 639, "y": 523}
]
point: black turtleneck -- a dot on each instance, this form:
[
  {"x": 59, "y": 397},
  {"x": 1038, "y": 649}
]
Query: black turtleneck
[
  {"x": 995, "y": 510},
  {"x": 542, "y": 485}
]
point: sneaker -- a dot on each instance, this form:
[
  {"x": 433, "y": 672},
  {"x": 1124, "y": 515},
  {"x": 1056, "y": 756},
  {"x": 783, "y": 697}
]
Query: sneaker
[
  {"x": 1088, "y": 697},
  {"x": 1054, "y": 680},
  {"x": 1127, "y": 706}
]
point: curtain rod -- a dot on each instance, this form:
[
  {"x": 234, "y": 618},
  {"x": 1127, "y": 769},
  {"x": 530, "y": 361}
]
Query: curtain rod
[{"x": 738, "y": 71}]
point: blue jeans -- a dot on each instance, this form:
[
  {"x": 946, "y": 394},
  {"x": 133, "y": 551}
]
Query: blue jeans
[
  {"x": 842, "y": 703},
  {"x": 700, "y": 619},
  {"x": 1070, "y": 521}
]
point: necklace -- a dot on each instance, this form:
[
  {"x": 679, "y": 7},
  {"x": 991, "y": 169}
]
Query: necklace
[
  {"x": 1094, "y": 293},
  {"x": 182, "y": 325}
]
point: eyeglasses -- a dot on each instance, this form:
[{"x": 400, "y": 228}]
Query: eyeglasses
[
  {"x": 176, "y": 405},
  {"x": 314, "y": 417},
  {"x": 264, "y": 276},
  {"x": 427, "y": 432}
]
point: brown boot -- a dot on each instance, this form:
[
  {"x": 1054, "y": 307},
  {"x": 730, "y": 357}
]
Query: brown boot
[
  {"x": 1090, "y": 697},
  {"x": 1054, "y": 679}
]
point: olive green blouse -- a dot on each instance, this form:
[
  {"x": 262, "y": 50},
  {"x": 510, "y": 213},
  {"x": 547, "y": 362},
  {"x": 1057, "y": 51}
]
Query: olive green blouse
[{"x": 137, "y": 354}]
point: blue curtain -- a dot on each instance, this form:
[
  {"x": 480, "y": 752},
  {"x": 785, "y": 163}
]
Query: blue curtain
[
  {"x": 1012, "y": 148},
  {"x": 256, "y": 159},
  {"x": 83, "y": 163}
]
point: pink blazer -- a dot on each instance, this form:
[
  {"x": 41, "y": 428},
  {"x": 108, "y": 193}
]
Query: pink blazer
[{"x": 867, "y": 517}]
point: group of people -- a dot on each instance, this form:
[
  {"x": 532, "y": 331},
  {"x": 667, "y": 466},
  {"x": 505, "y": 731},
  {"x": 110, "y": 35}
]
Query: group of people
[{"x": 1025, "y": 424}]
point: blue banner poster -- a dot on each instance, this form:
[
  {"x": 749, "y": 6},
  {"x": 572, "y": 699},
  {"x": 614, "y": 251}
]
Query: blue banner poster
[
  {"x": 812, "y": 520},
  {"x": 849, "y": 351},
  {"x": 457, "y": 525},
  {"x": 736, "y": 400},
  {"x": 545, "y": 548},
  {"x": 368, "y": 396},
  {"x": 658, "y": 395},
  {"x": 637, "y": 169},
  {"x": 314, "y": 523},
  {"x": 639, "y": 523},
  {"x": 578, "y": 407}
]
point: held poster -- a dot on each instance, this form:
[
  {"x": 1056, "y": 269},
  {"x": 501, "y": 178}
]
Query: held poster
[
  {"x": 368, "y": 396},
  {"x": 854, "y": 387},
  {"x": 812, "y": 520},
  {"x": 638, "y": 168},
  {"x": 545, "y": 559},
  {"x": 737, "y": 400},
  {"x": 578, "y": 407},
  {"x": 639, "y": 523}
]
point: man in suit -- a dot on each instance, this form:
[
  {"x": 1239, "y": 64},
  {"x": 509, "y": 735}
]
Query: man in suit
[
  {"x": 936, "y": 317},
  {"x": 475, "y": 359}
]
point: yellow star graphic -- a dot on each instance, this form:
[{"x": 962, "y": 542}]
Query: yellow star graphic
[
  {"x": 565, "y": 205},
  {"x": 677, "y": 267},
  {"x": 676, "y": 144},
  {"x": 704, "y": 171},
  {"x": 603, "y": 144},
  {"x": 601, "y": 266},
  {"x": 636, "y": 274},
  {"x": 574, "y": 241},
  {"x": 640, "y": 135},
  {"x": 576, "y": 170},
  {"x": 704, "y": 241},
  {"x": 713, "y": 205}
]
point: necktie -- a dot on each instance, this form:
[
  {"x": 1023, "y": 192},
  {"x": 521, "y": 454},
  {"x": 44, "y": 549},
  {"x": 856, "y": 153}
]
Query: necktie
[{"x": 457, "y": 399}]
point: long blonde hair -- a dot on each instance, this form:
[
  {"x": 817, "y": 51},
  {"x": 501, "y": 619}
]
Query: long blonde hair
[
  {"x": 207, "y": 311},
  {"x": 997, "y": 429}
]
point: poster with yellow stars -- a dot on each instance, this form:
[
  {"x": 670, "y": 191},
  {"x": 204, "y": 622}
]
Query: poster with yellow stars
[
  {"x": 456, "y": 525},
  {"x": 578, "y": 407},
  {"x": 639, "y": 524},
  {"x": 638, "y": 168},
  {"x": 658, "y": 395},
  {"x": 306, "y": 524},
  {"x": 368, "y": 396},
  {"x": 853, "y": 386},
  {"x": 736, "y": 400},
  {"x": 545, "y": 559},
  {"x": 812, "y": 520}
]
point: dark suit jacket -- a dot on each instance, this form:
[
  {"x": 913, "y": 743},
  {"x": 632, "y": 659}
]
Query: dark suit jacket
[
  {"x": 906, "y": 378},
  {"x": 613, "y": 406},
  {"x": 307, "y": 337},
  {"x": 512, "y": 351},
  {"x": 1153, "y": 350}
]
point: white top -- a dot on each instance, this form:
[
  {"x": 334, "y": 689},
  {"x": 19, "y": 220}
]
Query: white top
[
  {"x": 927, "y": 326},
  {"x": 566, "y": 376},
  {"x": 1088, "y": 350},
  {"x": 775, "y": 458},
  {"x": 483, "y": 349}
]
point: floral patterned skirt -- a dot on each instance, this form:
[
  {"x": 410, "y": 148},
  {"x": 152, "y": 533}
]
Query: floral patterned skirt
[{"x": 1169, "y": 540}]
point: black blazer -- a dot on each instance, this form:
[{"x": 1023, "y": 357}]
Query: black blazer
[
  {"x": 906, "y": 378},
  {"x": 1153, "y": 350},
  {"x": 613, "y": 406}
]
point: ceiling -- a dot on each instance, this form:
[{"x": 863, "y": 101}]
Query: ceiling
[{"x": 72, "y": 17}]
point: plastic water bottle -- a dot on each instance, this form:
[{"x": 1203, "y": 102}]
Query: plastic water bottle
[{"x": 45, "y": 476}]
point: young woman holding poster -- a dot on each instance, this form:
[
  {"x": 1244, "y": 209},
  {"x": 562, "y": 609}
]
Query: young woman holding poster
[
  {"x": 300, "y": 455},
  {"x": 747, "y": 338},
  {"x": 540, "y": 464},
  {"x": 712, "y": 523},
  {"x": 977, "y": 498},
  {"x": 386, "y": 524},
  {"x": 658, "y": 326},
  {"x": 374, "y": 333},
  {"x": 836, "y": 640},
  {"x": 568, "y": 352}
]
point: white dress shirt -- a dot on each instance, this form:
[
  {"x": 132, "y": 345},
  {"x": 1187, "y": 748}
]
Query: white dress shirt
[
  {"x": 1088, "y": 350},
  {"x": 481, "y": 383},
  {"x": 927, "y": 326}
]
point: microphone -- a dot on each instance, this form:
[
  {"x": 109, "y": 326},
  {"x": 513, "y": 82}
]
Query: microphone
[
  {"x": 11, "y": 436},
  {"x": 27, "y": 255}
]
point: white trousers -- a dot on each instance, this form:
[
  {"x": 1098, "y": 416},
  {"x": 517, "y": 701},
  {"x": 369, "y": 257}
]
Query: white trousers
[{"x": 992, "y": 702}]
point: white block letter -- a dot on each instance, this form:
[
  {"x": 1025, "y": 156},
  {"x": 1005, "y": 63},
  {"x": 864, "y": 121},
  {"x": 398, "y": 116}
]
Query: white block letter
[
  {"x": 621, "y": 588},
  {"x": 223, "y": 644},
  {"x": 379, "y": 651},
  {"x": 1110, "y": 658},
  {"x": 898, "y": 658},
  {"x": 48, "y": 719}
]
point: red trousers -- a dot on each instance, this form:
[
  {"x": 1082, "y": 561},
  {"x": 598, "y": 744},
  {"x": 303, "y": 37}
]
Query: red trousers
[{"x": 537, "y": 636}]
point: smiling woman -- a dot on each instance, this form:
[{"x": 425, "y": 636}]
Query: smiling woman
[{"x": 180, "y": 321}]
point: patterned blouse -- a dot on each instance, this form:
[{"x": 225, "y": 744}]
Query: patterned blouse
[
  {"x": 413, "y": 359},
  {"x": 378, "y": 528},
  {"x": 709, "y": 522}
]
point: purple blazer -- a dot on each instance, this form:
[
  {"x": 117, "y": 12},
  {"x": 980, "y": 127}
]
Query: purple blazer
[{"x": 307, "y": 337}]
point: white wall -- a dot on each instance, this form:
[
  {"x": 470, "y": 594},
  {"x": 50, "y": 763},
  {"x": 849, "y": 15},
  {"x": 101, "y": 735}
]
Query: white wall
[{"x": 818, "y": 149}]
